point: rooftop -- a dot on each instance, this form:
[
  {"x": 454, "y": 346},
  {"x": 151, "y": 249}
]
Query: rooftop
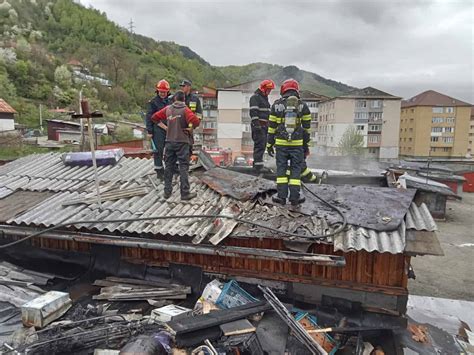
[
  {"x": 368, "y": 92},
  {"x": 433, "y": 98},
  {"x": 37, "y": 190},
  {"x": 5, "y": 107}
]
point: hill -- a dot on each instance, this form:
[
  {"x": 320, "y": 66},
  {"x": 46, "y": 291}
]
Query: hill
[{"x": 52, "y": 49}]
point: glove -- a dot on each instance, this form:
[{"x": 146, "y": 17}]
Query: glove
[
  {"x": 271, "y": 151},
  {"x": 306, "y": 152}
]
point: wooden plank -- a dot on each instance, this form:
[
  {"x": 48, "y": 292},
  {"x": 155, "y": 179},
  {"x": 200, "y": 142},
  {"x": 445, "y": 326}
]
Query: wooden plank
[{"x": 238, "y": 327}]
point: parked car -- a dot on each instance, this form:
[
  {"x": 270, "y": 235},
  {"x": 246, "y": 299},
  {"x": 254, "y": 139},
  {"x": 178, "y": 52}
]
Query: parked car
[{"x": 240, "y": 161}]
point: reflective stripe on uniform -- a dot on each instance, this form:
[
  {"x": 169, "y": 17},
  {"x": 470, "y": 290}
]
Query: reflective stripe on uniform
[
  {"x": 254, "y": 107},
  {"x": 305, "y": 172},
  {"x": 264, "y": 109},
  {"x": 258, "y": 163},
  {"x": 276, "y": 119},
  {"x": 312, "y": 178},
  {"x": 288, "y": 172},
  {"x": 283, "y": 142},
  {"x": 306, "y": 118},
  {"x": 295, "y": 182},
  {"x": 269, "y": 145},
  {"x": 282, "y": 180},
  {"x": 271, "y": 130}
]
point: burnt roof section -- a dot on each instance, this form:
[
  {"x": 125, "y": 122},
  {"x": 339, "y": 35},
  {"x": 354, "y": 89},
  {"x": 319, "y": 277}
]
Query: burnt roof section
[
  {"x": 433, "y": 98},
  {"x": 5, "y": 107},
  {"x": 46, "y": 172}
]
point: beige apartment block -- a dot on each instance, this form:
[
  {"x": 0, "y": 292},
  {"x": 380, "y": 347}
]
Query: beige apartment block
[
  {"x": 373, "y": 113},
  {"x": 435, "y": 125}
]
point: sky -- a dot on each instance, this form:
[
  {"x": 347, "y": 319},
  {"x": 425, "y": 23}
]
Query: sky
[{"x": 403, "y": 47}]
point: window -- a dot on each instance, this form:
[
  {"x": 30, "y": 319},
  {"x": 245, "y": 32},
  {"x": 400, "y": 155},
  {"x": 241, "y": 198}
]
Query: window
[
  {"x": 375, "y": 127},
  {"x": 434, "y": 139},
  {"x": 449, "y": 129},
  {"x": 373, "y": 150},
  {"x": 410, "y": 139},
  {"x": 361, "y": 103},
  {"x": 360, "y": 127},
  {"x": 448, "y": 139},
  {"x": 210, "y": 125},
  {"x": 412, "y": 110},
  {"x": 376, "y": 116},
  {"x": 437, "y": 110},
  {"x": 361, "y": 115},
  {"x": 446, "y": 149},
  {"x": 411, "y": 129},
  {"x": 449, "y": 109},
  {"x": 436, "y": 129},
  {"x": 374, "y": 139},
  {"x": 450, "y": 119},
  {"x": 247, "y": 128},
  {"x": 376, "y": 103},
  {"x": 412, "y": 119},
  {"x": 437, "y": 120}
]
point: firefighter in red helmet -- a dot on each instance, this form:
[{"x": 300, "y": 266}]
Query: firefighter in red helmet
[
  {"x": 259, "y": 112},
  {"x": 289, "y": 133},
  {"x": 156, "y": 133}
]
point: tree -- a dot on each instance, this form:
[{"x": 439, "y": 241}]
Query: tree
[
  {"x": 62, "y": 76},
  {"x": 352, "y": 142}
]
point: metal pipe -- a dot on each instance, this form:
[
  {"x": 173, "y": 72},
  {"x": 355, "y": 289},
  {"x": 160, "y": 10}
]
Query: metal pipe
[{"x": 226, "y": 251}]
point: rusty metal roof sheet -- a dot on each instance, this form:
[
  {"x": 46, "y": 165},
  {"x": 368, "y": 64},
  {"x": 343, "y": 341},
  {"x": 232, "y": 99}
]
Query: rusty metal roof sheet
[{"x": 47, "y": 173}]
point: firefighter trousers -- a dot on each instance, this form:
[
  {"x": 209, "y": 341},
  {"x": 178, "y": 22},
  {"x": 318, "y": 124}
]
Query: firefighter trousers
[
  {"x": 259, "y": 137},
  {"x": 159, "y": 138},
  {"x": 295, "y": 157},
  {"x": 177, "y": 152}
]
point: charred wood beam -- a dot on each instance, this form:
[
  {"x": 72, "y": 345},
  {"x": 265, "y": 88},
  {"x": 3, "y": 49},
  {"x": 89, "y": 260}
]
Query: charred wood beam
[{"x": 225, "y": 251}]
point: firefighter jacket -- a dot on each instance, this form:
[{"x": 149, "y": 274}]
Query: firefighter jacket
[
  {"x": 180, "y": 118},
  {"x": 259, "y": 106},
  {"x": 193, "y": 102},
  {"x": 289, "y": 122},
  {"x": 154, "y": 105}
]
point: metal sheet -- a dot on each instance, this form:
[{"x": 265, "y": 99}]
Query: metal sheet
[
  {"x": 419, "y": 218},
  {"x": 237, "y": 185}
]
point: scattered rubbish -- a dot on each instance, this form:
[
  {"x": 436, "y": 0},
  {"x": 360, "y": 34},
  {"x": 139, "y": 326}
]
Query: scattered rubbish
[
  {"x": 300, "y": 333},
  {"x": 212, "y": 291},
  {"x": 44, "y": 309},
  {"x": 419, "y": 332},
  {"x": 148, "y": 345},
  {"x": 233, "y": 295},
  {"x": 170, "y": 312},
  {"x": 121, "y": 289},
  {"x": 310, "y": 324},
  {"x": 238, "y": 327},
  {"x": 207, "y": 349},
  {"x": 103, "y": 157},
  {"x": 106, "y": 352}
]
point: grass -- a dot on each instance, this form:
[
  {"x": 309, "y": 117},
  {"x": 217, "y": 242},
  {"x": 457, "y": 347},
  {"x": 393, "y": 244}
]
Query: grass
[{"x": 14, "y": 152}]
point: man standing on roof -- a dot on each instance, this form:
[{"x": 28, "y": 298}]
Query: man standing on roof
[
  {"x": 156, "y": 133},
  {"x": 193, "y": 102},
  {"x": 180, "y": 124},
  {"x": 259, "y": 112},
  {"x": 289, "y": 132}
]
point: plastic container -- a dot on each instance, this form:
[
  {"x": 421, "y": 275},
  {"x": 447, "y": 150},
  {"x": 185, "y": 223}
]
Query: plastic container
[{"x": 233, "y": 295}]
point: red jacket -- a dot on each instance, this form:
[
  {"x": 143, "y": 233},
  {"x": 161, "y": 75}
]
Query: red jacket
[{"x": 179, "y": 117}]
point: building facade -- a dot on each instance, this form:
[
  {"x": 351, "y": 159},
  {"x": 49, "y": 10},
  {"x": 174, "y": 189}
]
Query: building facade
[
  {"x": 374, "y": 114},
  {"x": 470, "y": 148},
  {"x": 435, "y": 125},
  {"x": 205, "y": 135}
]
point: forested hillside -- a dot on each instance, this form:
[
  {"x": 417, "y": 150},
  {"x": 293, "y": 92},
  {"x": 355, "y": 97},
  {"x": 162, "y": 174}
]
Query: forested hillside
[{"x": 50, "y": 50}]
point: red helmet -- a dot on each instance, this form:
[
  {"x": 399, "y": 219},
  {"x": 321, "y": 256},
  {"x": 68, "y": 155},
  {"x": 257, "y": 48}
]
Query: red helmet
[
  {"x": 267, "y": 84},
  {"x": 289, "y": 84},
  {"x": 162, "y": 85}
]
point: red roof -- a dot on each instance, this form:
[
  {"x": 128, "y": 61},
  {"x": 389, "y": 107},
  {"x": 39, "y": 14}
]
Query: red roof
[
  {"x": 75, "y": 62},
  {"x": 433, "y": 98},
  {"x": 5, "y": 107}
]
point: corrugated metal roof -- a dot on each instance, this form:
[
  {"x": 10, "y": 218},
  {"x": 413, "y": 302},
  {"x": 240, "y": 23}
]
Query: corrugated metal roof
[
  {"x": 46, "y": 172},
  {"x": 420, "y": 218}
]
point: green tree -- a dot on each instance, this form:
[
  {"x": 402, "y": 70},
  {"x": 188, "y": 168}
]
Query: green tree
[
  {"x": 62, "y": 76},
  {"x": 352, "y": 142}
]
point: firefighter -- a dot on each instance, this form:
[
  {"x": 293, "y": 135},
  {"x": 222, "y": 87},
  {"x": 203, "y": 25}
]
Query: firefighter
[
  {"x": 259, "y": 112},
  {"x": 156, "y": 133},
  {"x": 289, "y": 133},
  {"x": 193, "y": 102},
  {"x": 179, "y": 129}
]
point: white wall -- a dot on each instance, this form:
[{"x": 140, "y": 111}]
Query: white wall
[
  {"x": 230, "y": 130},
  {"x": 7, "y": 124},
  {"x": 229, "y": 100}
]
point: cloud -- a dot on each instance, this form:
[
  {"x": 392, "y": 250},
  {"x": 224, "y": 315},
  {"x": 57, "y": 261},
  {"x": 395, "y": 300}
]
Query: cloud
[{"x": 402, "y": 46}]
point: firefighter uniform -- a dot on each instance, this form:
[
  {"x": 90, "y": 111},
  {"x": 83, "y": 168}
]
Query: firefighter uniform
[
  {"x": 259, "y": 112},
  {"x": 158, "y": 134},
  {"x": 289, "y": 132}
]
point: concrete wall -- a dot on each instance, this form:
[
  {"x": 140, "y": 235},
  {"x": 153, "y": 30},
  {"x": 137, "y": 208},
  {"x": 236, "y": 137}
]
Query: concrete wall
[
  {"x": 7, "y": 124},
  {"x": 390, "y": 129},
  {"x": 229, "y": 100}
]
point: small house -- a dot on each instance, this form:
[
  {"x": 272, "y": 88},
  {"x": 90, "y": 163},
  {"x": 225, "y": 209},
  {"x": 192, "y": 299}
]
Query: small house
[{"x": 7, "y": 117}]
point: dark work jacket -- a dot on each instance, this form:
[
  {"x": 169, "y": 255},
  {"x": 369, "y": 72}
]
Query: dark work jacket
[
  {"x": 154, "y": 105},
  {"x": 193, "y": 102},
  {"x": 259, "y": 106},
  {"x": 179, "y": 117}
]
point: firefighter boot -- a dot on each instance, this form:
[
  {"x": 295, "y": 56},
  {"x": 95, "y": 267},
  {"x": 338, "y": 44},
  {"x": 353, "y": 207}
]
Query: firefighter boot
[
  {"x": 160, "y": 174},
  {"x": 188, "y": 196},
  {"x": 276, "y": 199},
  {"x": 299, "y": 201}
]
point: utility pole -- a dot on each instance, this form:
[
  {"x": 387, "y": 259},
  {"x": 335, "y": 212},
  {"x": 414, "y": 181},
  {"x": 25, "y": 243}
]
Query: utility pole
[
  {"x": 131, "y": 26},
  {"x": 81, "y": 121},
  {"x": 41, "y": 117}
]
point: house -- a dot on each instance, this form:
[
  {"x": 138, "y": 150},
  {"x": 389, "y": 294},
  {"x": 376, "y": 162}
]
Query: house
[
  {"x": 470, "y": 148},
  {"x": 60, "y": 129},
  {"x": 7, "y": 117},
  {"x": 308, "y": 254},
  {"x": 372, "y": 112},
  {"x": 206, "y": 134},
  {"x": 435, "y": 125}
]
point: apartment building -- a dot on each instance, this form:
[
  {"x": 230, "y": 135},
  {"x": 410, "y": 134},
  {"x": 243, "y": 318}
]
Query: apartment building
[
  {"x": 435, "y": 125},
  {"x": 470, "y": 148},
  {"x": 205, "y": 135},
  {"x": 373, "y": 113},
  {"x": 234, "y": 130}
]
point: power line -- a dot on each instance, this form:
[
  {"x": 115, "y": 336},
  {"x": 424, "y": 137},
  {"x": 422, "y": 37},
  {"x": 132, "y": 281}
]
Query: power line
[{"x": 131, "y": 26}]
